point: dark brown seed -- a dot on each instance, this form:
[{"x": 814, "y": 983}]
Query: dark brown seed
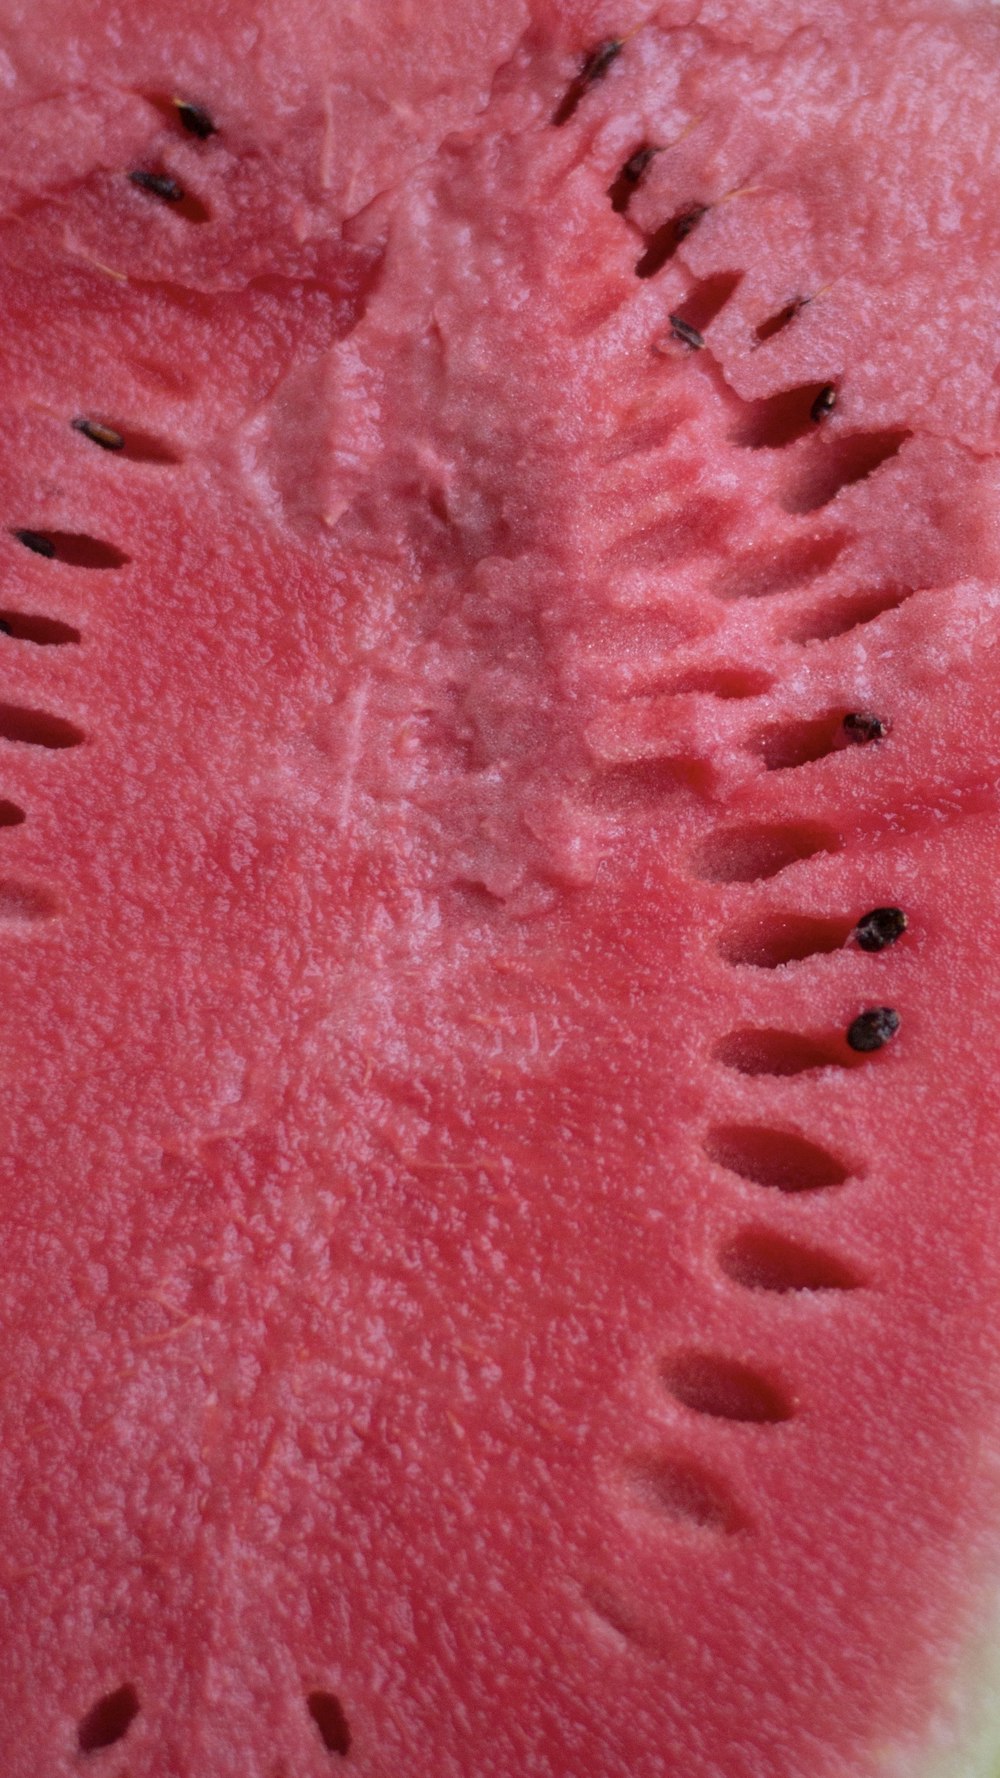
[
  {"x": 36, "y": 540},
  {"x": 873, "y": 1029},
  {"x": 880, "y": 928},
  {"x": 597, "y": 61},
  {"x": 861, "y": 727},
  {"x": 684, "y": 224},
  {"x": 824, "y": 403},
  {"x": 196, "y": 121},
  {"x": 160, "y": 185},
  {"x": 688, "y": 335},
  {"x": 593, "y": 68},
  {"x": 105, "y": 436},
  {"x": 637, "y": 163},
  {"x": 776, "y": 323},
  {"x": 5, "y": 627},
  {"x": 629, "y": 177}
]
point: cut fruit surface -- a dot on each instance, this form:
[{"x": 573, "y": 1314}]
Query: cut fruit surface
[{"x": 498, "y": 896}]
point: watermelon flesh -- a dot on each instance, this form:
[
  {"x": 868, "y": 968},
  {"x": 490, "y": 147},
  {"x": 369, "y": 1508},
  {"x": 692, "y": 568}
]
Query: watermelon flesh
[{"x": 469, "y": 1311}]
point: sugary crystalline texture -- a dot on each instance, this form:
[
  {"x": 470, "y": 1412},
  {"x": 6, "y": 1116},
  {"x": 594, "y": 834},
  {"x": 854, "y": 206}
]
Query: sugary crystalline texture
[{"x": 499, "y": 912}]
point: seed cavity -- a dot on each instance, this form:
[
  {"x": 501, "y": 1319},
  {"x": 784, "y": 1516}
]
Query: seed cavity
[
  {"x": 836, "y": 463},
  {"x": 759, "y": 1259},
  {"x": 824, "y": 403},
  {"x": 137, "y": 446},
  {"x": 722, "y": 682},
  {"x": 330, "y": 1718},
  {"x": 873, "y": 1029},
  {"x": 880, "y": 928},
  {"x": 860, "y": 726},
  {"x": 777, "y": 1053},
  {"x": 30, "y": 626},
  {"x": 838, "y": 617},
  {"x": 786, "y": 746},
  {"x": 664, "y": 242},
  {"x": 105, "y": 436},
  {"x": 619, "y": 1615},
  {"x": 26, "y": 903},
  {"x": 109, "y": 1720},
  {"x": 752, "y": 854},
  {"x": 726, "y": 1390},
  {"x": 74, "y": 547},
  {"x": 761, "y": 574},
  {"x": 195, "y": 120},
  {"x": 777, "y": 420},
  {"x": 38, "y": 728},
  {"x": 771, "y": 940},
  {"x": 593, "y": 68},
  {"x": 684, "y": 1492},
  {"x": 778, "y": 1159},
  {"x": 159, "y": 185},
  {"x": 685, "y": 333}
]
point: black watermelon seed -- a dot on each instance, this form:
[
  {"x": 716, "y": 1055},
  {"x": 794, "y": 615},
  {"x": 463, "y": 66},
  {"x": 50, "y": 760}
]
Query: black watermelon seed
[
  {"x": 688, "y": 335},
  {"x": 597, "y": 61},
  {"x": 5, "y": 627},
  {"x": 777, "y": 323},
  {"x": 636, "y": 164},
  {"x": 880, "y": 928},
  {"x": 689, "y": 220},
  {"x": 629, "y": 177},
  {"x": 873, "y": 1029},
  {"x": 593, "y": 68},
  {"x": 42, "y": 545},
  {"x": 105, "y": 436},
  {"x": 195, "y": 120},
  {"x": 159, "y": 184},
  {"x": 861, "y": 727},
  {"x": 824, "y": 403}
]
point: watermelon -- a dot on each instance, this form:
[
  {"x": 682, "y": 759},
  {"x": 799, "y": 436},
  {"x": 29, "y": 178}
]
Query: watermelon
[{"x": 498, "y": 890}]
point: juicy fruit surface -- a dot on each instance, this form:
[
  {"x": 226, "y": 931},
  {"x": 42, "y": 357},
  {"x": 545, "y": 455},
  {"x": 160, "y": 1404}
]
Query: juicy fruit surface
[{"x": 468, "y": 1309}]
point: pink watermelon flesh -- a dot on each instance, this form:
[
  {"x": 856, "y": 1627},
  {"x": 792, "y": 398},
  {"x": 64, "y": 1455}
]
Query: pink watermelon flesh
[{"x": 469, "y": 1311}]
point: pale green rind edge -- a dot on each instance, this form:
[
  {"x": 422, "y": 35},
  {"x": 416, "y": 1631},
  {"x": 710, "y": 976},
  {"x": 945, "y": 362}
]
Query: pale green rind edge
[{"x": 963, "y": 1740}]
